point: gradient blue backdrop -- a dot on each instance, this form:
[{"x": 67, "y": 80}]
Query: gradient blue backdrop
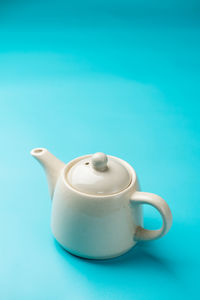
[{"x": 122, "y": 77}]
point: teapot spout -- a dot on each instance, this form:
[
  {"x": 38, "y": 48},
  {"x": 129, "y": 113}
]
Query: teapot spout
[{"x": 51, "y": 165}]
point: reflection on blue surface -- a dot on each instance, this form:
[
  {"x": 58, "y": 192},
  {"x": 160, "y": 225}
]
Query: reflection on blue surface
[{"x": 120, "y": 77}]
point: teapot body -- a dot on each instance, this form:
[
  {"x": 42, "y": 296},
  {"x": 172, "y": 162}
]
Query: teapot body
[
  {"x": 92, "y": 226},
  {"x": 97, "y": 208}
]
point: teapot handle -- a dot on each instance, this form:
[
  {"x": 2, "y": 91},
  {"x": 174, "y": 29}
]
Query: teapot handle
[{"x": 159, "y": 203}]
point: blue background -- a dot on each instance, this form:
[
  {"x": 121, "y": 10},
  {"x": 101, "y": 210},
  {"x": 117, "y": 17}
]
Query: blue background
[{"x": 122, "y": 77}]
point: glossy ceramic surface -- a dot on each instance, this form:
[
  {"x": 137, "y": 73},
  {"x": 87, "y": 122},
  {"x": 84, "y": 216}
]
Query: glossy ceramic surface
[{"x": 93, "y": 225}]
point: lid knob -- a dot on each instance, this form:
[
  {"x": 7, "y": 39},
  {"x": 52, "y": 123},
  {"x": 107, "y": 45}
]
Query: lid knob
[{"x": 99, "y": 161}]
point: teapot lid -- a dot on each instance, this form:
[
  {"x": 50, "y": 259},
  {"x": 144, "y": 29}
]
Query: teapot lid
[{"x": 99, "y": 174}]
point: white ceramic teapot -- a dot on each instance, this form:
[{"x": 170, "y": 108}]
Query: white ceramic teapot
[{"x": 97, "y": 211}]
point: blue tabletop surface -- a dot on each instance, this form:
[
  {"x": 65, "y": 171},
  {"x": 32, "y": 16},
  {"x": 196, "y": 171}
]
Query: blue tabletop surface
[{"x": 121, "y": 77}]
